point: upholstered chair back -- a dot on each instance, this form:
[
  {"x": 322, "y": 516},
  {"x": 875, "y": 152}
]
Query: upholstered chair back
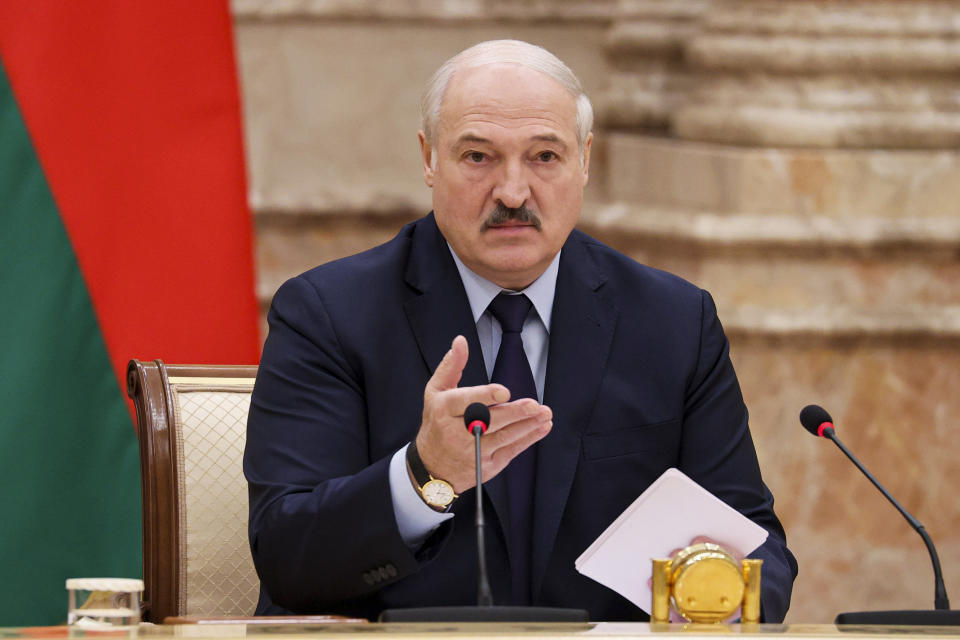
[{"x": 191, "y": 424}]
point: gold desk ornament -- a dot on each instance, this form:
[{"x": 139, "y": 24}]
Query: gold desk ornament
[{"x": 705, "y": 584}]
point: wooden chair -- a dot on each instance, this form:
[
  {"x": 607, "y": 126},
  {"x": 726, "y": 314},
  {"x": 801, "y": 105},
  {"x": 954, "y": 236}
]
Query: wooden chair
[{"x": 192, "y": 424}]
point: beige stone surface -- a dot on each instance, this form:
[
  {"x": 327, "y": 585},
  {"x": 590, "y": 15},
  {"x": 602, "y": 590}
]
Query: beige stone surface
[
  {"x": 812, "y": 234},
  {"x": 824, "y": 74},
  {"x": 817, "y": 53},
  {"x": 795, "y": 127},
  {"x": 836, "y": 183},
  {"x": 896, "y": 407},
  {"x": 645, "y": 47},
  {"x": 452, "y": 11},
  {"x": 879, "y": 18},
  {"x": 782, "y": 290},
  {"x": 643, "y": 99},
  {"x": 854, "y": 109}
]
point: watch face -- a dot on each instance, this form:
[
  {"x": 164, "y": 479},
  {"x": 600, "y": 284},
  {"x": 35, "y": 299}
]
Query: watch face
[{"x": 437, "y": 493}]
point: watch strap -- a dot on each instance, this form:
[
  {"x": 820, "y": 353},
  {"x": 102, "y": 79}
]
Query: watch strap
[{"x": 420, "y": 474}]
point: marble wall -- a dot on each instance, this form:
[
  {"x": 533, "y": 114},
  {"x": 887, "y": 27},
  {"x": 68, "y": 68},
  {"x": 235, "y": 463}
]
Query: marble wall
[{"x": 797, "y": 158}]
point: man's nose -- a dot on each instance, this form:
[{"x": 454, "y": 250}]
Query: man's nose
[{"x": 513, "y": 188}]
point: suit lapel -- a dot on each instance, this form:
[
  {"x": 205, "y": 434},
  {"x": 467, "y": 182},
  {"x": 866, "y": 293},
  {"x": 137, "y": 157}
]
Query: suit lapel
[
  {"x": 440, "y": 311},
  {"x": 581, "y": 334}
]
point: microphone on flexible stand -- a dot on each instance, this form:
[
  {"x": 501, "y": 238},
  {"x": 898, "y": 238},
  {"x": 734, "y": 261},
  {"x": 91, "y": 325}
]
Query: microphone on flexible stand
[
  {"x": 476, "y": 417},
  {"x": 817, "y": 421}
]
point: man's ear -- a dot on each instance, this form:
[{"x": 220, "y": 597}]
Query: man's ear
[
  {"x": 586, "y": 158},
  {"x": 426, "y": 151}
]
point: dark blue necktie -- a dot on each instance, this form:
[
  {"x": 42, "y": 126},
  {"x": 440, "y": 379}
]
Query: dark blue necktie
[{"x": 512, "y": 370}]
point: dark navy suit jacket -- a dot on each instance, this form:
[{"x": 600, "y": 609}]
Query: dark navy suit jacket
[{"x": 638, "y": 377}]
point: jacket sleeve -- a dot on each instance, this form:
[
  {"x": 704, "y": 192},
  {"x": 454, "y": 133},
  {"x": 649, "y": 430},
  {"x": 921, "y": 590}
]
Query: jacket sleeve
[
  {"x": 718, "y": 452},
  {"x": 322, "y": 527}
]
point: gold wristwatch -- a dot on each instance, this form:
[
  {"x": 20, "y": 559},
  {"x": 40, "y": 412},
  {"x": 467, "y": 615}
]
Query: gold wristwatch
[{"x": 437, "y": 493}]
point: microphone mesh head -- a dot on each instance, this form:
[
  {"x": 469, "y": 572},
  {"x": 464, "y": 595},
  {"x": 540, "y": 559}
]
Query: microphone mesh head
[
  {"x": 812, "y": 416},
  {"x": 477, "y": 411}
]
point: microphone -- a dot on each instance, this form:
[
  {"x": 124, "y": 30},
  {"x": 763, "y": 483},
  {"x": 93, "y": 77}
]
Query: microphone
[
  {"x": 817, "y": 421},
  {"x": 477, "y": 418}
]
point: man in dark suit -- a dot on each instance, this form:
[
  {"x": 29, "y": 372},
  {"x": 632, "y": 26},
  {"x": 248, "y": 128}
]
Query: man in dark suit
[{"x": 361, "y": 472}]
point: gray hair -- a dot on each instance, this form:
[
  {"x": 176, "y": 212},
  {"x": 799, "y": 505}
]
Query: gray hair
[{"x": 501, "y": 52}]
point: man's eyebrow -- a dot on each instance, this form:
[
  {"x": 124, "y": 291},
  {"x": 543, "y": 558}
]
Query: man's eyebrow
[
  {"x": 542, "y": 137},
  {"x": 548, "y": 137},
  {"x": 472, "y": 137}
]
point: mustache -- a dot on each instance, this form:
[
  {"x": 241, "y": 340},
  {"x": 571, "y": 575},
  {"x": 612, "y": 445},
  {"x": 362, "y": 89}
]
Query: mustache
[{"x": 521, "y": 214}]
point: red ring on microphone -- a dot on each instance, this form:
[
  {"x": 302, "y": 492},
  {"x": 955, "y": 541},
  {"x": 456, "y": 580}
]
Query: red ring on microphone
[
  {"x": 823, "y": 426},
  {"x": 477, "y": 423}
]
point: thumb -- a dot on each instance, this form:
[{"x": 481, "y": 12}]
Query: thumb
[{"x": 450, "y": 369}]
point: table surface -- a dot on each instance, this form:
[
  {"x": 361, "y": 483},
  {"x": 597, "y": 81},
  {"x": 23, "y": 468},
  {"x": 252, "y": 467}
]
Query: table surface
[{"x": 459, "y": 631}]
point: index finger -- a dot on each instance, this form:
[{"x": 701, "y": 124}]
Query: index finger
[
  {"x": 455, "y": 401},
  {"x": 448, "y": 372}
]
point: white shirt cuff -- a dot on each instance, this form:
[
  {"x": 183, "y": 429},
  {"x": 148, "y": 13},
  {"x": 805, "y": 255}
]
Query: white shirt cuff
[{"x": 415, "y": 519}]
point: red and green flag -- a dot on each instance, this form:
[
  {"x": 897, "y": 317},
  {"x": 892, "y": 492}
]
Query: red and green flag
[{"x": 124, "y": 232}]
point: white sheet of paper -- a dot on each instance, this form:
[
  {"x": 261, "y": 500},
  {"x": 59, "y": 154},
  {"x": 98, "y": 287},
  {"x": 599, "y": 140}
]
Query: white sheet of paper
[{"x": 667, "y": 516}]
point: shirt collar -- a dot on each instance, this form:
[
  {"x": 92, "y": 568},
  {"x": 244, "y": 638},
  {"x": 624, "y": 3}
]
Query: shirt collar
[{"x": 481, "y": 292}]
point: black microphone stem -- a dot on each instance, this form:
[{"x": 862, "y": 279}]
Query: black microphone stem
[
  {"x": 484, "y": 596},
  {"x": 940, "y": 600}
]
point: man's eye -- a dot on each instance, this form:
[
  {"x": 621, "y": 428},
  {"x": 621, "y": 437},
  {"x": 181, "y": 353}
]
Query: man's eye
[
  {"x": 547, "y": 156},
  {"x": 475, "y": 156}
]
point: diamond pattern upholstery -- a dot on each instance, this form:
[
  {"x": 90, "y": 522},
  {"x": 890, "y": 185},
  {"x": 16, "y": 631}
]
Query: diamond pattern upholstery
[
  {"x": 191, "y": 426},
  {"x": 217, "y": 577}
]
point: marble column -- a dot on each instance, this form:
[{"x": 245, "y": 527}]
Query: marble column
[
  {"x": 852, "y": 75},
  {"x": 649, "y": 78}
]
